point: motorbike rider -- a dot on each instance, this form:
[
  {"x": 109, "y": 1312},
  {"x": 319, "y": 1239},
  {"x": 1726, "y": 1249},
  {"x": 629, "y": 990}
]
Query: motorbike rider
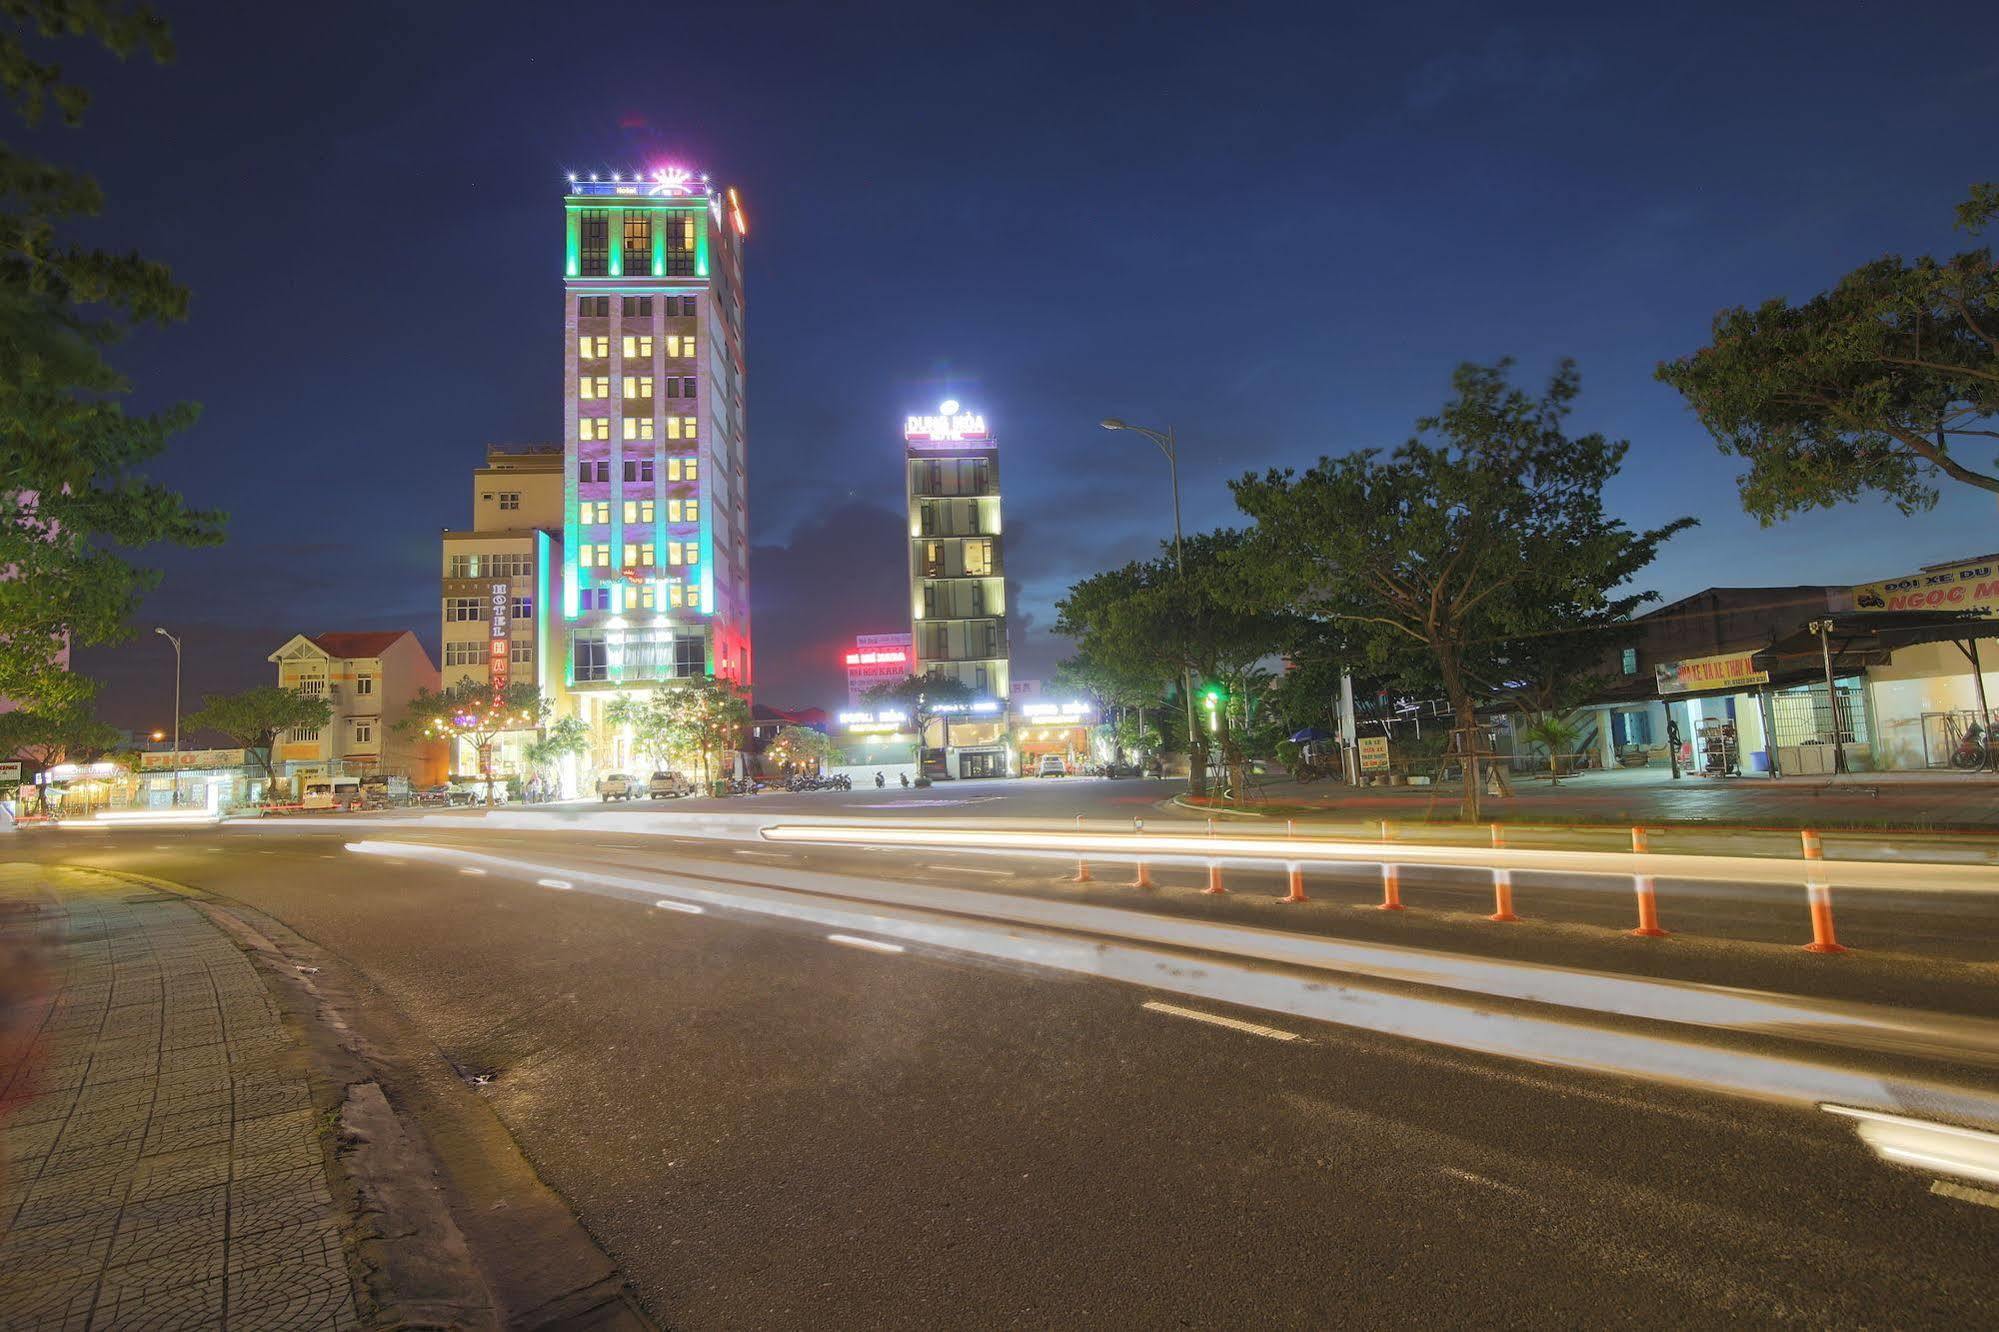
[{"x": 880, "y": 780}]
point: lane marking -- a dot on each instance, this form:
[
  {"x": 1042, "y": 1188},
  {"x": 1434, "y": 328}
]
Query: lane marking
[
  {"x": 473, "y": 870},
  {"x": 1233, "y": 1024},
  {"x": 555, "y": 883},
  {"x": 1469, "y": 1178},
  {"x": 1943, "y": 1149},
  {"x": 767, "y": 855},
  {"x": 872, "y": 945},
  {"x": 1983, "y": 1197},
  {"x": 669, "y": 904},
  {"x": 968, "y": 869}
]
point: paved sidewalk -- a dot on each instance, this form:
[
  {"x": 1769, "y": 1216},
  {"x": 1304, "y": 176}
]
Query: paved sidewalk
[{"x": 160, "y": 1161}]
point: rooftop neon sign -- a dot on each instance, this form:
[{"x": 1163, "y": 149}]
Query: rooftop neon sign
[
  {"x": 950, "y": 425},
  {"x": 660, "y": 183}
]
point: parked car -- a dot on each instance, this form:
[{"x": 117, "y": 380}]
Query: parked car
[
  {"x": 616, "y": 786},
  {"x": 332, "y": 793},
  {"x": 664, "y": 784},
  {"x": 446, "y": 793},
  {"x": 1051, "y": 765}
]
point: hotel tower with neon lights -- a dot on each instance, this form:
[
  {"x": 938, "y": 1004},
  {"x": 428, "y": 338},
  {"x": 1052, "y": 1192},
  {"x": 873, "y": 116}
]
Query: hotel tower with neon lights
[
  {"x": 655, "y": 571},
  {"x": 957, "y": 578}
]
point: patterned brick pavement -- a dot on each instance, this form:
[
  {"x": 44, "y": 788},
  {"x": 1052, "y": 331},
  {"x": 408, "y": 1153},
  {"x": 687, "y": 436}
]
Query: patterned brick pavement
[{"x": 160, "y": 1161}]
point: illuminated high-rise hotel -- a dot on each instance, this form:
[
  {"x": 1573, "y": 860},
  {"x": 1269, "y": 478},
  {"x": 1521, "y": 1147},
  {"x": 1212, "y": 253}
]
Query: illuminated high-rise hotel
[
  {"x": 957, "y": 578},
  {"x": 655, "y": 574}
]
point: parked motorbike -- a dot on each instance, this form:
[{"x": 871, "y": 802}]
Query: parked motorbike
[{"x": 1976, "y": 748}]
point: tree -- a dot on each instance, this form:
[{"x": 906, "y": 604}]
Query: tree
[
  {"x": 800, "y": 747},
  {"x": 68, "y": 449},
  {"x": 704, "y": 716},
  {"x": 1149, "y": 620},
  {"x": 469, "y": 711},
  {"x": 919, "y": 696},
  {"x": 1553, "y": 733},
  {"x": 46, "y": 738},
  {"x": 254, "y": 717},
  {"x": 1453, "y": 547},
  {"x": 567, "y": 737},
  {"x": 1119, "y": 690},
  {"x": 1882, "y": 385}
]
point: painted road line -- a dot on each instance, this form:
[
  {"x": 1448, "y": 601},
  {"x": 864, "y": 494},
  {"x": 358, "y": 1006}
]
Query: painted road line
[
  {"x": 563, "y": 884},
  {"x": 872, "y": 945},
  {"x": 1983, "y": 1197},
  {"x": 473, "y": 870},
  {"x": 1943, "y": 1149},
  {"x": 1470, "y": 1178},
  {"x": 968, "y": 869},
  {"x": 668, "y": 904},
  {"x": 1233, "y": 1024}
]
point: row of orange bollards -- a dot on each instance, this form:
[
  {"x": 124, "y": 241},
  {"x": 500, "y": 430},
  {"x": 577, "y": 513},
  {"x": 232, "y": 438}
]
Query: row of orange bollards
[{"x": 1817, "y": 889}]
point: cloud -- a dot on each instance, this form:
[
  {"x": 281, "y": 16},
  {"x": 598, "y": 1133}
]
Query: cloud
[{"x": 845, "y": 571}]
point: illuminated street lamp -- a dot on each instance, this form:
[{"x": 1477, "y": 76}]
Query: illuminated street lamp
[
  {"x": 176, "y": 642},
  {"x": 1167, "y": 447}
]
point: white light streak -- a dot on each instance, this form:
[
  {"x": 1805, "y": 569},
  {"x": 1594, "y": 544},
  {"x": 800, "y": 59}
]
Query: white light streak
[{"x": 872, "y": 945}]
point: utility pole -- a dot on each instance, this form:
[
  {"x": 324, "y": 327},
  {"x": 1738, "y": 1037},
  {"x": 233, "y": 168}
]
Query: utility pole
[
  {"x": 175, "y": 799},
  {"x": 1823, "y": 628}
]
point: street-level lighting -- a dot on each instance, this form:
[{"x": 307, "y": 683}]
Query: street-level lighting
[
  {"x": 1166, "y": 446},
  {"x": 175, "y": 799}
]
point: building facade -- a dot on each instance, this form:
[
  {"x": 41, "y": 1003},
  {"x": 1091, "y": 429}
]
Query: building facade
[
  {"x": 957, "y": 573},
  {"x": 496, "y": 580},
  {"x": 369, "y": 679},
  {"x": 876, "y": 659},
  {"x": 654, "y": 578}
]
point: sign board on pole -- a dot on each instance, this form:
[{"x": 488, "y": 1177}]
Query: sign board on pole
[
  {"x": 10, "y": 773},
  {"x": 1373, "y": 753},
  {"x": 1730, "y": 670}
]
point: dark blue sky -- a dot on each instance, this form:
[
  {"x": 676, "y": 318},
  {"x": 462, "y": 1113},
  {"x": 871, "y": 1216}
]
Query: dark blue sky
[{"x": 1275, "y": 228}]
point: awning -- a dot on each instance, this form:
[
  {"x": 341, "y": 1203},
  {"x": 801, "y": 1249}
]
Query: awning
[{"x": 1859, "y": 639}]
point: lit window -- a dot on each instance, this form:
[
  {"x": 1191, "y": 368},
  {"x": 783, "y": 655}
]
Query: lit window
[
  {"x": 639, "y": 427},
  {"x": 638, "y": 386},
  {"x": 594, "y": 511},
  {"x": 594, "y": 346},
  {"x": 680, "y": 427},
  {"x": 593, "y": 427},
  {"x": 680, "y": 346},
  {"x": 638, "y": 344},
  {"x": 676, "y": 595},
  {"x": 694, "y": 598},
  {"x": 638, "y": 554},
  {"x": 648, "y": 598},
  {"x": 978, "y": 558},
  {"x": 638, "y": 511},
  {"x": 594, "y": 386}
]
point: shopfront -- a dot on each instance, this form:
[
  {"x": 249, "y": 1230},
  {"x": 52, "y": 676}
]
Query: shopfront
[
  {"x": 1062, "y": 730},
  {"x": 1716, "y": 710}
]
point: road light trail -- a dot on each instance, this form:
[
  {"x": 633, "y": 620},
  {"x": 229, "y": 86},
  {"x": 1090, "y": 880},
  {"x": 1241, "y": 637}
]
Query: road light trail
[{"x": 1477, "y": 1027}]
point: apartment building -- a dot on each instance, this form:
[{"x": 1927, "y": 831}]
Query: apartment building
[{"x": 957, "y": 575}]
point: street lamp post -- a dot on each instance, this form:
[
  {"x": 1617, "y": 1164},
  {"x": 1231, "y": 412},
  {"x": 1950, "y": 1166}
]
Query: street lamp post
[
  {"x": 1823, "y": 628},
  {"x": 1166, "y": 446},
  {"x": 176, "y": 642}
]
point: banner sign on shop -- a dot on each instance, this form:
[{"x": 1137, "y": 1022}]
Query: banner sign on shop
[
  {"x": 500, "y": 644},
  {"x": 1373, "y": 753},
  {"x": 1972, "y": 586},
  {"x": 1731, "y": 670}
]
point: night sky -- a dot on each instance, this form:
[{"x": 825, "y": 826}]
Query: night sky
[{"x": 1276, "y": 229}]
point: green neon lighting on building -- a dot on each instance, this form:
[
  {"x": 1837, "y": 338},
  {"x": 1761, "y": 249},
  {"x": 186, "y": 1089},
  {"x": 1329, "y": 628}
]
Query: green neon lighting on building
[
  {"x": 573, "y": 246},
  {"x": 701, "y": 245}
]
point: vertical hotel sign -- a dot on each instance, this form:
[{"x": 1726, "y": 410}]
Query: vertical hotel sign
[{"x": 499, "y": 640}]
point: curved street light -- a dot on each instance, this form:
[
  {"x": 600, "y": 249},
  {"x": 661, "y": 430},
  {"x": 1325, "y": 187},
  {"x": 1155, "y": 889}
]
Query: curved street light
[{"x": 1164, "y": 439}]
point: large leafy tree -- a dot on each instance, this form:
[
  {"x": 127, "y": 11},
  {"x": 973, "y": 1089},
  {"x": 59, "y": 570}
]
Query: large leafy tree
[
  {"x": 1457, "y": 542},
  {"x": 469, "y": 710},
  {"x": 799, "y": 747},
  {"x": 46, "y": 738},
  {"x": 919, "y": 697},
  {"x": 705, "y": 717},
  {"x": 254, "y": 718},
  {"x": 566, "y": 737},
  {"x": 1150, "y": 619},
  {"x": 69, "y": 488},
  {"x": 1885, "y": 384}
]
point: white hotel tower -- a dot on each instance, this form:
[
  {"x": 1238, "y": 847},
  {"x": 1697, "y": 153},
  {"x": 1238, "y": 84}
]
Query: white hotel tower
[{"x": 655, "y": 570}]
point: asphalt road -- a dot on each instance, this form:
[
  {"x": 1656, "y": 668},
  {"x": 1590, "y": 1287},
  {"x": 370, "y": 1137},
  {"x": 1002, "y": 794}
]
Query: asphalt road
[{"x": 770, "y": 1128}]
